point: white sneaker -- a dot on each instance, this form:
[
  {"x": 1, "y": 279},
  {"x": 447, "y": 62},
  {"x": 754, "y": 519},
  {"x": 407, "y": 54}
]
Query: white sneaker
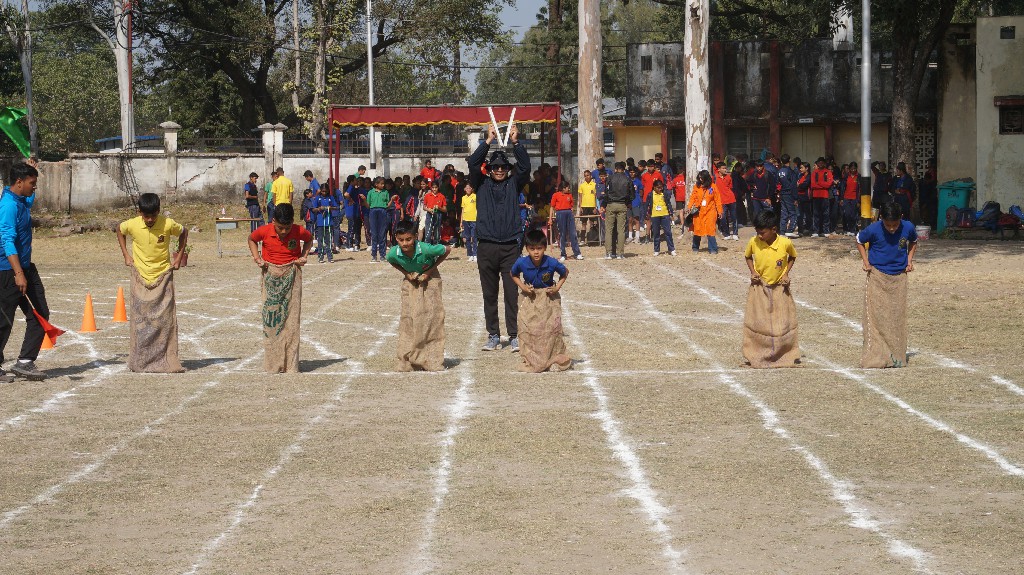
[
  {"x": 561, "y": 259},
  {"x": 816, "y": 236},
  {"x": 579, "y": 256},
  {"x": 672, "y": 253},
  {"x": 791, "y": 235},
  {"x": 656, "y": 254},
  {"x": 609, "y": 257}
]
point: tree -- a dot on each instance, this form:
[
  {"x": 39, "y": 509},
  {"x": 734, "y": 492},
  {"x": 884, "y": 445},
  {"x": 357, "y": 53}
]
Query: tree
[
  {"x": 698, "y": 88},
  {"x": 20, "y": 32}
]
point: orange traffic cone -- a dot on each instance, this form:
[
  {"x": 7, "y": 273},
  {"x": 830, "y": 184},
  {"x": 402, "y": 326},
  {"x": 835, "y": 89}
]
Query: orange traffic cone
[
  {"x": 47, "y": 342},
  {"x": 120, "y": 315},
  {"x": 88, "y": 318}
]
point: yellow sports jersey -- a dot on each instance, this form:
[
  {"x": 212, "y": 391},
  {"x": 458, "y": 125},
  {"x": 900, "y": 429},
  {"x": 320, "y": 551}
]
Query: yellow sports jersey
[
  {"x": 151, "y": 246},
  {"x": 469, "y": 208},
  {"x": 770, "y": 261},
  {"x": 588, "y": 194},
  {"x": 658, "y": 206},
  {"x": 283, "y": 190}
]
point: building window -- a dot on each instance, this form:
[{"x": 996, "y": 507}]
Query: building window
[
  {"x": 746, "y": 141},
  {"x": 1011, "y": 119},
  {"x": 646, "y": 63},
  {"x": 1007, "y": 32}
]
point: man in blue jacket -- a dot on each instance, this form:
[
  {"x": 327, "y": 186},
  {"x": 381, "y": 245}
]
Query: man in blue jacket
[
  {"x": 18, "y": 275},
  {"x": 499, "y": 230},
  {"x": 788, "y": 178}
]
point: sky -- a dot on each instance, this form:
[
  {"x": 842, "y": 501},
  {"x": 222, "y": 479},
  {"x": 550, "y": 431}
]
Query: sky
[{"x": 517, "y": 19}]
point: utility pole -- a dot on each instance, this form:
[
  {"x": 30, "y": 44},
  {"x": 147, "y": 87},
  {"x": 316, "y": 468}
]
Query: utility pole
[
  {"x": 590, "y": 129},
  {"x": 865, "y": 100},
  {"x": 22, "y": 40},
  {"x": 123, "y": 60},
  {"x": 698, "y": 92},
  {"x": 369, "y": 79}
]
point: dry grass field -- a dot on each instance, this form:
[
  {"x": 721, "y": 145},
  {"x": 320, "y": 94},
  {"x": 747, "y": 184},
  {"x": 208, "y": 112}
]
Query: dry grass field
[{"x": 658, "y": 453}]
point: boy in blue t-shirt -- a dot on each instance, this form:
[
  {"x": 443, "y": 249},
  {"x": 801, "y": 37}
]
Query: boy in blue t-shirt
[
  {"x": 323, "y": 204},
  {"x": 354, "y": 200},
  {"x": 421, "y": 324},
  {"x": 887, "y": 250},
  {"x": 540, "y": 307}
]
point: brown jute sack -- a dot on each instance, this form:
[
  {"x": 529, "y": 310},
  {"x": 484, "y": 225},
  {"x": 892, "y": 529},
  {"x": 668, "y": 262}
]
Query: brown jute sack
[
  {"x": 282, "y": 307},
  {"x": 885, "y": 320},
  {"x": 540, "y": 333},
  {"x": 769, "y": 328},
  {"x": 421, "y": 326},
  {"x": 153, "y": 324}
]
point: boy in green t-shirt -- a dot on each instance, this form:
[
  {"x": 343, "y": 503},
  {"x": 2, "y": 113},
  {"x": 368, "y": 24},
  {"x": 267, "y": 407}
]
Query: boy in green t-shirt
[{"x": 421, "y": 326}]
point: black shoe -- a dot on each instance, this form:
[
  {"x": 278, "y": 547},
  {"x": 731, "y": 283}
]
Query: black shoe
[
  {"x": 28, "y": 370},
  {"x": 6, "y": 377}
]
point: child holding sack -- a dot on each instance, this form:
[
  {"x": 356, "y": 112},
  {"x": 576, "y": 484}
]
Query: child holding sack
[
  {"x": 421, "y": 325},
  {"x": 769, "y": 324},
  {"x": 540, "y": 307}
]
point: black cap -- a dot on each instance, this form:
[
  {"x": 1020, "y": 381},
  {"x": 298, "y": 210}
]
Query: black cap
[{"x": 498, "y": 159}]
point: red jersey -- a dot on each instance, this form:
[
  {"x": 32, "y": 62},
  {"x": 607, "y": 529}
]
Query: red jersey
[
  {"x": 561, "y": 201},
  {"x": 723, "y": 185},
  {"x": 432, "y": 200},
  {"x": 281, "y": 251},
  {"x": 679, "y": 185},
  {"x": 648, "y": 179},
  {"x": 821, "y": 181},
  {"x": 429, "y": 173},
  {"x": 852, "y": 191}
]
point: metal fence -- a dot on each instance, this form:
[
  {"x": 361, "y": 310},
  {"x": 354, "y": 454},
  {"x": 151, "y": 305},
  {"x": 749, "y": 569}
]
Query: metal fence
[{"x": 224, "y": 146}]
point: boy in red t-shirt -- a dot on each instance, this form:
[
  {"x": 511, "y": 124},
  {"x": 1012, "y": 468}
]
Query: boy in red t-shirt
[
  {"x": 434, "y": 207},
  {"x": 821, "y": 181},
  {"x": 285, "y": 249},
  {"x": 561, "y": 205},
  {"x": 851, "y": 200}
]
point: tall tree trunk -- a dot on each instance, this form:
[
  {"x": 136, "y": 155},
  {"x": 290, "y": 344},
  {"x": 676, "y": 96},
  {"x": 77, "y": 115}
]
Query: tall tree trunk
[
  {"x": 298, "y": 55},
  {"x": 457, "y": 73},
  {"x": 315, "y": 125},
  {"x": 698, "y": 88},
  {"x": 124, "y": 82},
  {"x": 912, "y": 48},
  {"x": 555, "y": 44},
  {"x": 22, "y": 40},
  {"x": 590, "y": 129}
]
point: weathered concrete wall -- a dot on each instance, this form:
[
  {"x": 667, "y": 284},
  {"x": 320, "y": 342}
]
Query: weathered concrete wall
[
  {"x": 659, "y": 92},
  {"x": 747, "y": 81},
  {"x": 957, "y": 145},
  {"x": 640, "y": 143},
  {"x": 90, "y": 181},
  {"x": 999, "y": 73}
]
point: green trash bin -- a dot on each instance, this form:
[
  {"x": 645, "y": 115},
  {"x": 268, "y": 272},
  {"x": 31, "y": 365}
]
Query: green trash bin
[{"x": 952, "y": 194}]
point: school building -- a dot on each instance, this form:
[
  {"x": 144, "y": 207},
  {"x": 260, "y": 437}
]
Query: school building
[{"x": 804, "y": 100}]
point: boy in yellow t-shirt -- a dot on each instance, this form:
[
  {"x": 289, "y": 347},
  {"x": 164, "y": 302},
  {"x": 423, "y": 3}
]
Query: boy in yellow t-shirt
[
  {"x": 769, "y": 324},
  {"x": 469, "y": 222},
  {"x": 587, "y": 192},
  {"x": 153, "y": 326},
  {"x": 282, "y": 188}
]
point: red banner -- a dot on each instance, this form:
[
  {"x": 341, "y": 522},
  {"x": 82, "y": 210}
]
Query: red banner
[{"x": 445, "y": 114}]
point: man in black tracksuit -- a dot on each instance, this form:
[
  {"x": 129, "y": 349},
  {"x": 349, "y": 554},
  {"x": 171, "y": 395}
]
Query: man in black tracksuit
[{"x": 499, "y": 230}]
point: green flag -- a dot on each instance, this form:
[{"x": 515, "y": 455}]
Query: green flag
[{"x": 16, "y": 130}]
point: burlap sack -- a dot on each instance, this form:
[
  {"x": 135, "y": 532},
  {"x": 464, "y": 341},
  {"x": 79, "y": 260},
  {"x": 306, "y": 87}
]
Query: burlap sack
[
  {"x": 769, "y": 328},
  {"x": 540, "y": 333},
  {"x": 885, "y": 320},
  {"x": 421, "y": 326},
  {"x": 153, "y": 324},
  {"x": 282, "y": 307}
]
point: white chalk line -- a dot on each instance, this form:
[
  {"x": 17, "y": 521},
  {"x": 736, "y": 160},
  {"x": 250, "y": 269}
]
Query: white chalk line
[
  {"x": 49, "y": 494},
  {"x": 55, "y": 402},
  {"x": 931, "y": 421},
  {"x": 619, "y": 444},
  {"x": 458, "y": 410},
  {"x": 941, "y": 359},
  {"x": 842, "y": 491},
  {"x": 321, "y": 414}
]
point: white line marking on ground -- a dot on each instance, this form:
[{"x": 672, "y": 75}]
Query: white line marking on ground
[
  {"x": 619, "y": 444},
  {"x": 458, "y": 410},
  {"x": 48, "y": 495},
  {"x": 941, "y": 359},
  {"x": 842, "y": 490},
  {"x": 322, "y": 413},
  {"x": 933, "y": 422}
]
